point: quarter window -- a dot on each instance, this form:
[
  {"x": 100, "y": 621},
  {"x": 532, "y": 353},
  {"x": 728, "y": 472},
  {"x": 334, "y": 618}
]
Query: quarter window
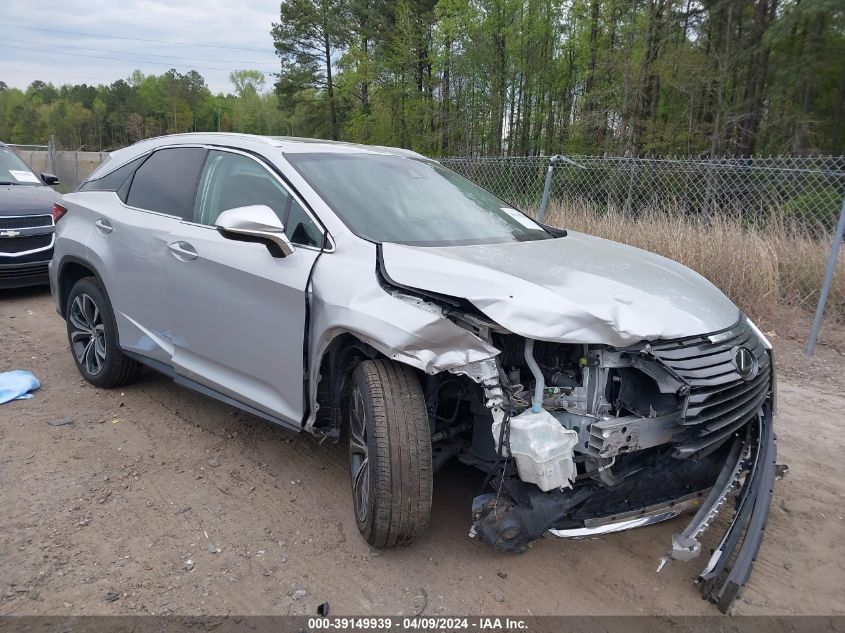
[
  {"x": 300, "y": 229},
  {"x": 167, "y": 180},
  {"x": 114, "y": 180}
]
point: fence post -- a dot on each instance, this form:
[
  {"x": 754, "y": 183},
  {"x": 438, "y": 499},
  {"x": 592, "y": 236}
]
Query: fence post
[
  {"x": 828, "y": 279},
  {"x": 546, "y": 188},
  {"x": 51, "y": 149},
  {"x": 628, "y": 209}
]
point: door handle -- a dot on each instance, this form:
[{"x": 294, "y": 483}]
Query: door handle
[
  {"x": 183, "y": 251},
  {"x": 103, "y": 226}
]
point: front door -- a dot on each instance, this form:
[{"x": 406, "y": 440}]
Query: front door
[{"x": 238, "y": 312}]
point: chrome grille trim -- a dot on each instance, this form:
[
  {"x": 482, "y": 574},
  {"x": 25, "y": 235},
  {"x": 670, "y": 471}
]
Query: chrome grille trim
[{"x": 720, "y": 400}]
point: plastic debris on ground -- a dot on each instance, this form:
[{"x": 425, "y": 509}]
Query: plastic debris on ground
[{"x": 17, "y": 385}]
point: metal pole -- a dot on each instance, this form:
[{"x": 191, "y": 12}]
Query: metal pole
[
  {"x": 546, "y": 188},
  {"x": 828, "y": 279},
  {"x": 51, "y": 149}
]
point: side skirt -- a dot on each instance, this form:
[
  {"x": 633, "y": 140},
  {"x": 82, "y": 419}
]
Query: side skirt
[{"x": 168, "y": 371}]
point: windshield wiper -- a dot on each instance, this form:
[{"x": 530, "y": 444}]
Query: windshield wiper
[{"x": 10, "y": 183}]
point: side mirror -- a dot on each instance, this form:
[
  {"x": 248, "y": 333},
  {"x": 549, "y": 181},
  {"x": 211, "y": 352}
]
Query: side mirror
[
  {"x": 50, "y": 179},
  {"x": 255, "y": 223}
]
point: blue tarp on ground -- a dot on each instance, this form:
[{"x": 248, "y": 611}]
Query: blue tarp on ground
[{"x": 16, "y": 385}]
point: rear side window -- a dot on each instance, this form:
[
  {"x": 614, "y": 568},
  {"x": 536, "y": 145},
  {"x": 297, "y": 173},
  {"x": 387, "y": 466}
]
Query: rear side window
[
  {"x": 113, "y": 181},
  {"x": 167, "y": 181}
]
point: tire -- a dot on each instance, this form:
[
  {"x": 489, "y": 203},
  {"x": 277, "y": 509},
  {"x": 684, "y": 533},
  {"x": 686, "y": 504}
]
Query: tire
[
  {"x": 389, "y": 453},
  {"x": 101, "y": 362}
]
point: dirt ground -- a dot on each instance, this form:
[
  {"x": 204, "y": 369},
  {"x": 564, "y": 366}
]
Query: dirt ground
[{"x": 144, "y": 480}]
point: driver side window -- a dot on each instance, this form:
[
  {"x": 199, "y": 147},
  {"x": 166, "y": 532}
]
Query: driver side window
[{"x": 232, "y": 180}]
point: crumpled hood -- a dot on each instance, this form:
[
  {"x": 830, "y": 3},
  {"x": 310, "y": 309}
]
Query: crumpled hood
[{"x": 574, "y": 289}]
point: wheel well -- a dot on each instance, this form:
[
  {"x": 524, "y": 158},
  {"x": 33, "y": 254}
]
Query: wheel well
[
  {"x": 71, "y": 272},
  {"x": 338, "y": 361}
]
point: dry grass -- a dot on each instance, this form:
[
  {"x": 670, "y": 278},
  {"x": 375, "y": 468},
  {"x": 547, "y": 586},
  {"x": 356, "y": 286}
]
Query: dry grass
[{"x": 759, "y": 268}]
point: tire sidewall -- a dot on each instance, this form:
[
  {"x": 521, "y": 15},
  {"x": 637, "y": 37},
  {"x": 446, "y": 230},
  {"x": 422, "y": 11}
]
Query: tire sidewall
[
  {"x": 113, "y": 352},
  {"x": 359, "y": 382},
  {"x": 398, "y": 450}
]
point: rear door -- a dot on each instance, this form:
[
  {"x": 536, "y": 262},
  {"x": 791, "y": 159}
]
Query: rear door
[
  {"x": 130, "y": 237},
  {"x": 238, "y": 312}
]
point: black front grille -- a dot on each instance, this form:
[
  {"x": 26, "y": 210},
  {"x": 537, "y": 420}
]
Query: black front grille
[
  {"x": 11, "y": 245},
  {"x": 720, "y": 399},
  {"x": 26, "y": 222}
]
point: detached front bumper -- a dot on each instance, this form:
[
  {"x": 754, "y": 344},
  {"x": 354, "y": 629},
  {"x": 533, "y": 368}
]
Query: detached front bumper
[
  {"x": 729, "y": 567},
  {"x": 746, "y": 481},
  {"x": 745, "y": 484}
]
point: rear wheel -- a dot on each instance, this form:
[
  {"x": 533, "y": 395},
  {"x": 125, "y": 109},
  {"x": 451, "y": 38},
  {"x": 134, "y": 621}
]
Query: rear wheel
[
  {"x": 389, "y": 453},
  {"x": 92, "y": 336}
]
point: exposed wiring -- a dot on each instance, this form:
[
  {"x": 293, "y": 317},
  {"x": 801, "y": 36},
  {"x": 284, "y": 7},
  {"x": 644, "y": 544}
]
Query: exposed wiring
[
  {"x": 504, "y": 437},
  {"x": 431, "y": 402}
]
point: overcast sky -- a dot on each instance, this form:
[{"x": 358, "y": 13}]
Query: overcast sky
[{"x": 99, "y": 41}]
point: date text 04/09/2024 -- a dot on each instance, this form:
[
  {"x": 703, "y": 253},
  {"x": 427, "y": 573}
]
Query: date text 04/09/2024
[{"x": 417, "y": 623}]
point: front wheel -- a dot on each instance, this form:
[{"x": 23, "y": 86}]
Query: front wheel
[{"x": 389, "y": 453}]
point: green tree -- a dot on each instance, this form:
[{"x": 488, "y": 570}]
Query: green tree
[
  {"x": 508, "y": 77},
  {"x": 309, "y": 34}
]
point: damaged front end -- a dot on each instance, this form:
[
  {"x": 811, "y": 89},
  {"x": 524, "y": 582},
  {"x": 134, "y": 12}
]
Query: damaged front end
[
  {"x": 580, "y": 439},
  {"x": 646, "y": 433}
]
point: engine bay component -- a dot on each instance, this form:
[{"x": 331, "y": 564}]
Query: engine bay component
[
  {"x": 510, "y": 526},
  {"x": 542, "y": 449},
  {"x": 612, "y": 436},
  {"x": 539, "y": 381}
]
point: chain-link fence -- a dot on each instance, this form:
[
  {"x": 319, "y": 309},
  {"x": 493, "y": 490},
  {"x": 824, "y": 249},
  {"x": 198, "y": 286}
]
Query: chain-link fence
[
  {"x": 760, "y": 228},
  {"x": 756, "y": 190}
]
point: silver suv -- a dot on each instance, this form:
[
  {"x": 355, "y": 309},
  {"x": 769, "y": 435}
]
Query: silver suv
[{"x": 371, "y": 295}]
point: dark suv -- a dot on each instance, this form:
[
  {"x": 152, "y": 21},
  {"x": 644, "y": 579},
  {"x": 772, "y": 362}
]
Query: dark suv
[{"x": 28, "y": 212}]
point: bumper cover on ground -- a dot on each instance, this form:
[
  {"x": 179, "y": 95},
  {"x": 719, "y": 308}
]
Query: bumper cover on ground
[
  {"x": 729, "y": 567},
  {"x": 746, "y": 483}
]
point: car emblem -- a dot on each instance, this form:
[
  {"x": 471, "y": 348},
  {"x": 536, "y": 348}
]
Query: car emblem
[
  {"x": 9, "y": 233},
  {"x": 744, "y": 362}
]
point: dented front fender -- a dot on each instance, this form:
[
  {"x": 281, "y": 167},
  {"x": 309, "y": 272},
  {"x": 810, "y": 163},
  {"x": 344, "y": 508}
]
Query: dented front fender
[{"x": 347, "y": 298}]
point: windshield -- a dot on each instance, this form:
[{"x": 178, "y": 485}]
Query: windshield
[
  {"x": 387, "y": 198},
  {"x": 13, "y": 171}
]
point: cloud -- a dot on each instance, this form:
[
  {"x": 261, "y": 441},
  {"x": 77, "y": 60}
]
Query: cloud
[{"x": 100, "y": 41}]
